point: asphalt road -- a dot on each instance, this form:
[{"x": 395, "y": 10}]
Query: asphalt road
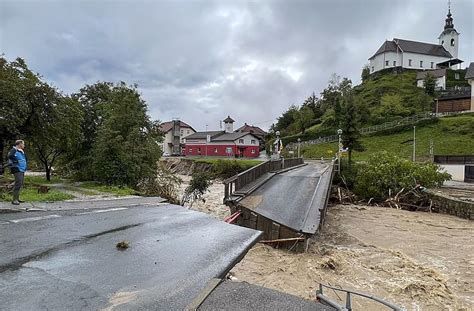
[
  {"x": 292, "y": 198},
  {"x": 68, "y": 260}
]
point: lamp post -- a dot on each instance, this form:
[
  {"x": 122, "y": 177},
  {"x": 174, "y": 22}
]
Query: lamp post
[
  {"x": 414, "y": 143},
  {"x": 299, "y": 146},
  {"x": 339, "y": 133}
]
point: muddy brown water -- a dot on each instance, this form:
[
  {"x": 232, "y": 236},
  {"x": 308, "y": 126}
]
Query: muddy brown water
[{"x": 418, "y": 260}]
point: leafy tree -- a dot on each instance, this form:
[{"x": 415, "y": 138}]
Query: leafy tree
[
  {"x": 385, "y": 173},
  {"x": 429, "y": 84},
  {"x": 17, "y": 91},
  {"x": 197, "y": 187},
  {"x": 56, "y": 129},
  {"x": 287, "y": 118},
  {"x": 350, "y": 126},
  {"x": 126, "y": 149},
  {"x": 365, "y": 74},
  {"x": 304, "y": 118}
]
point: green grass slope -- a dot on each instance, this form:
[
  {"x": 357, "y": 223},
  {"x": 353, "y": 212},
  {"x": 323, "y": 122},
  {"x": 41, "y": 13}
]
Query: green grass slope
[{"x": 450, "y": 135}]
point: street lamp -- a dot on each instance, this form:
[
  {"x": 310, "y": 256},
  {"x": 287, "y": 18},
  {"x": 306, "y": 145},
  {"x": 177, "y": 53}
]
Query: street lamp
[
  {"x": 414, "y": 143},
  {"x": 299, "y": 147},
  {"x": 339, "y": 133}
]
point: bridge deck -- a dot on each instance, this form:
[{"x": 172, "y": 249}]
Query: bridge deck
[{"x": 293, "y": 199}]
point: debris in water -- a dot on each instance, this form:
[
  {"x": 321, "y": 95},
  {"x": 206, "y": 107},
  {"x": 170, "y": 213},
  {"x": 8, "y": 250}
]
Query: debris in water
[{"x": 123, "y": 245}]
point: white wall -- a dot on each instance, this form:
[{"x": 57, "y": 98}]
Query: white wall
[
  {"x": 445, "y": 40},
  {"x": 168, "y": 138},
  {"x": 440, "y": 83},
  {"x": 456, "y": 171},
  {"x": 248, "y": 141},
  {"x": 471, "y": 82},
  {"x": 379, "y": 61},
  {"x": 402, "y": 59}
]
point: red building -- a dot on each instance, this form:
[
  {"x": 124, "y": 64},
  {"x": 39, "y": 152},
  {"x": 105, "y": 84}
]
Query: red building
[{"x": 222, "y": 143}]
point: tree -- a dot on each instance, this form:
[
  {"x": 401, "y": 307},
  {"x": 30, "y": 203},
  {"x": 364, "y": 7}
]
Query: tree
[
  {"x": 304, "y": 118},
  {"x": 429, "y": 83},
  {"x": 365, "y": 74},
  {"x": 350, "y": 126},
  {"x": 126, "y": 149},
  {"x": 17, "y": 90},
  {"x": 287, "y": 119},
  {"x": 57, "y": 129}
]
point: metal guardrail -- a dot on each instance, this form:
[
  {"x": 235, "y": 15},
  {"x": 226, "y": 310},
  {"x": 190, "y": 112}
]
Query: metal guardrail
[
  {"x": 348, "y": 305},
  {"x": 378, "y": 128},
  {"x": 240, "y": 180}
]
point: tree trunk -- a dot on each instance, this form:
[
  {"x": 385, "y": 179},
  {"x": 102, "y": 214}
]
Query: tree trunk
[
  {"x": 48, "y": 172},
  {"x": 350, "y": 158},
  {"x": 2, "y": 146}
]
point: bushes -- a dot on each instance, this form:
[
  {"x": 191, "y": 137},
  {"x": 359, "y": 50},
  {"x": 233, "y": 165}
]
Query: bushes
[
  {"x": 385, "y": 174},
  {"x": 228, "y": 168}
]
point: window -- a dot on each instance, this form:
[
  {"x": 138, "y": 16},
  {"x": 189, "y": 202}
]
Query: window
[
  {"x": 409, "y": 62},
  {"x": 215, "y": 150},
  {"x": 187, "y": 132},
  {"x": 394, "y": 63},
  {"x": 452, "y": 42},
  {"x": 199, "y": 150},
  {"x": 252, "y": 141},
  {"x": 372, "y": 68},
  {"x": 190, "y": 150},
  {"x": 228, "y": 150},
  {"x": 386, "y": 63},
  {"x": 421, "y": 64},
  {"x": 241, "y": 141},
  {"x": 432, "y": 64},
  {"x": 253, "y": 151},
  {"x": 456, "y": 76},
  {"x": 442, "y": 42}
]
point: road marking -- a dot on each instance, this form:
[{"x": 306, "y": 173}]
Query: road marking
[
  {"x": 15, "y": 221},
  {"x": 103, "y": 211}
]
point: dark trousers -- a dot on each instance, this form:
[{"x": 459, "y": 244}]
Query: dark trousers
[{"x": 19, "y": 177}]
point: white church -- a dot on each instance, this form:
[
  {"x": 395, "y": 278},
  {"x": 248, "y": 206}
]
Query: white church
[{"x": 419, "y": 55}]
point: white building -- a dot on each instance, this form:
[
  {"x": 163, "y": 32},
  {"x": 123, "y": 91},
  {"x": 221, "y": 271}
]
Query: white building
[
  {"x": 439, "y": 74},
  {"x": 174, "y": 133},
  {"x": 419, "y": 55},
  {"x": 470, "y": 79}
]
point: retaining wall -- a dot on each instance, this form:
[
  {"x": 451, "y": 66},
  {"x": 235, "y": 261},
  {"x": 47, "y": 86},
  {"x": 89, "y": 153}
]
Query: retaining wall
[{"x": 448, "y": 205}]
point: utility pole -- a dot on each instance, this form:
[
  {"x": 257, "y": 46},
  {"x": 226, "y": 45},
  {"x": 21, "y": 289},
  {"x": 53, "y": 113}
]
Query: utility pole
[
  {"x": 339, "y": 132},
  {"x": 299, "y": 147},
  {"x": 414, "y": 143}
]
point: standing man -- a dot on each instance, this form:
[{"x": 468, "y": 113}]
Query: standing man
[{"x": 17, "y": 163}]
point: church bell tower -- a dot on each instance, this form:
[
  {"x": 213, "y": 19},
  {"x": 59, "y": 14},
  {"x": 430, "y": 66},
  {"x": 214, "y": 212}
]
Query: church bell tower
[{"x": 449, "y": 38}]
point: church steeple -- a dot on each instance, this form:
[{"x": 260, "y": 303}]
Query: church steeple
[{"x": 449, "y": 20}]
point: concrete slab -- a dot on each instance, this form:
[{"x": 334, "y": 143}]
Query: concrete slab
[
  {"x": 294, "y": 198},
  {"x": 72, "y": 263},
  {"x": 243, "y": 296}
]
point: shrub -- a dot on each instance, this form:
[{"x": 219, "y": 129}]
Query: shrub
[
  {"x": 164, "y": 184},
  {"x": 197, "y": 187},
  {"x": 226, "y": 168},
  {"x": 386, "y": 174}
]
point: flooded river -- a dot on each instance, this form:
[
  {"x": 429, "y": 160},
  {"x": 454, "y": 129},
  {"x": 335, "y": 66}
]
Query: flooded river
[{"x": 418, "y": 260}]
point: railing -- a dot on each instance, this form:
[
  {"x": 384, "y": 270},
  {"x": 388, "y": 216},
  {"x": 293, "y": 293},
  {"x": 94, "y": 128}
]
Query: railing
[
  {"x": 321, "y": 297},
  {"x": 377, "y": 128},
  {"x": 240, "y": 180}
]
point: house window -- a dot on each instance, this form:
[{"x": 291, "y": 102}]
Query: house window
[
  {"x": 421, "y": 64},
  {"x": 394, "y": 63},
  {"x": 241, "y": 141},
  {"x": 432, "y": 64},
  {"x": 190, "y": 150},
  {"x": 456, "y": 76},
  {"x": 386, "y": 63},
  {"x": 452, "y": 42},
  {"x": 372, "y": 68},
  {"x": 187, "y": 131},
  {"x": 228, "y": 150},
  {"x": 409, "y": 62},
  {"x": 252, "y": 141},
  {"x": 442, "y": 42},
  {"x": 199, "y": 150},
  {"x": 215, "y": 150},
  {"x": 253, "y": 151}
]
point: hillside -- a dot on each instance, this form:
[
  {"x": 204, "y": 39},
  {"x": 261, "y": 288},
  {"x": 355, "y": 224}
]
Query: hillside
[{"x": 450, "y": 135}]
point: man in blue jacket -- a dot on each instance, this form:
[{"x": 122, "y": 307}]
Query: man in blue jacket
[{"x": 17, "y": 162}]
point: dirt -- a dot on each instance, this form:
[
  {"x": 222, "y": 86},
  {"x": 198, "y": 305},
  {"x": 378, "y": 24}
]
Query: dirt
[{"x": 417, "y": 260}]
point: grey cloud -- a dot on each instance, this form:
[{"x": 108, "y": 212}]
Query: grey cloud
[{"x": 203, "y": 60}]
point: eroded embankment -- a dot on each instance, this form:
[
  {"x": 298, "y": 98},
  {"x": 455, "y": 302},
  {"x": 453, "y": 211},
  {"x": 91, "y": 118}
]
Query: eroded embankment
[{"x": 183, "y": 166}]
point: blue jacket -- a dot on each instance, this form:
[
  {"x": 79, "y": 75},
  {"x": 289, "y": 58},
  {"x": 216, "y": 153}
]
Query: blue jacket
[{"x": 17, "y": 160}]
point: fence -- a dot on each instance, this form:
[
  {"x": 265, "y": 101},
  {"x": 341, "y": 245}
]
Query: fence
[
  {"x": 377, "y": 128},
  {"x": 320, "y": 295},
  {"x": 240, "y": 180}
]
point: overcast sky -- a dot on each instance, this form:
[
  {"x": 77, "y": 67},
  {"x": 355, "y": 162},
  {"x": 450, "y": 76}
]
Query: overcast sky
[{"x": 203, "y": 60}]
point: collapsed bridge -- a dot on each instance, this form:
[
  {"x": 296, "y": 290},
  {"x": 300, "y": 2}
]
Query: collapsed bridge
[{"x": 286, "y": 199}]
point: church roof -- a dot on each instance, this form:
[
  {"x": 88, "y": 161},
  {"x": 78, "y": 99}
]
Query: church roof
[
  {"x": 413, "y": 47},
  {"x": 470, "y": 72},
  {"x": 228, "y": 120}
]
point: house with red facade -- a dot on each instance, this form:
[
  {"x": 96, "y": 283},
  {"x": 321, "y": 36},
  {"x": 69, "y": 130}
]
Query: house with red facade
[{"x": 222, "y": 143}]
